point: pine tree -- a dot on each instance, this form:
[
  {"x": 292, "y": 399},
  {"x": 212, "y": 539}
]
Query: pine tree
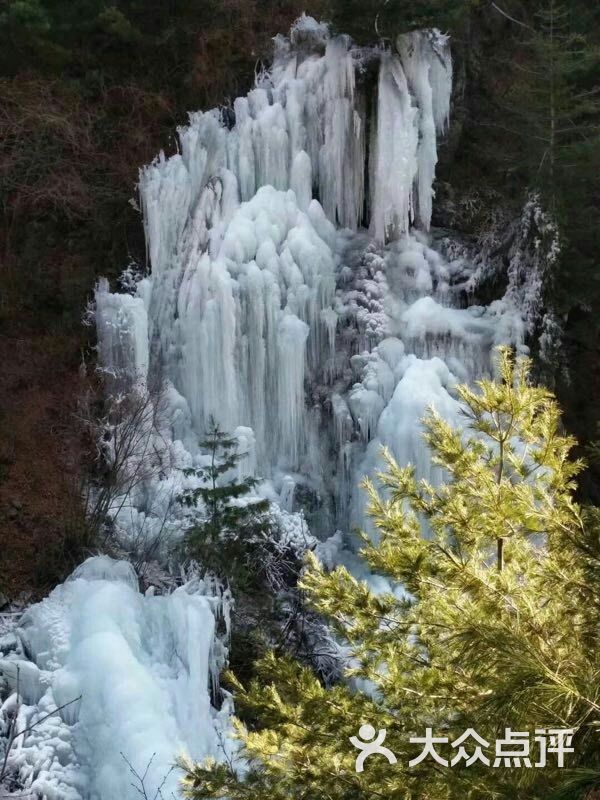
[
  {"x": 557, "y": 99},
  {"x": 553, "y": 106},
  {"x": 498, "y": 625},
  {"x": 222, "y": 536}
]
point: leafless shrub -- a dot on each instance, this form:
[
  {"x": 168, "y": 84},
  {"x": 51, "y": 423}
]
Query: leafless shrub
[
  {"x": 306, "y": 636},
  {"x": 140, "y": 780},
  {"x": 126, "y": 451},
  {"x": 14, "y": 732}
]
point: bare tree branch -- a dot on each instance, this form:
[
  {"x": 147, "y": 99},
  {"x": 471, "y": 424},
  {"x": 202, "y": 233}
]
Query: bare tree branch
[
  {"x": 13, "y": 736},
  {"x": 508, "y": 16}
]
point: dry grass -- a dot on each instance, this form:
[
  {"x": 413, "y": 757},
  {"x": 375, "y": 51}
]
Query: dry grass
[{"x": 41, "y": 515}]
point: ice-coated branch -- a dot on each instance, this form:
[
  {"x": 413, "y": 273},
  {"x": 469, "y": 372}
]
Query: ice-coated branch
[{"x": 14, "y": 736}]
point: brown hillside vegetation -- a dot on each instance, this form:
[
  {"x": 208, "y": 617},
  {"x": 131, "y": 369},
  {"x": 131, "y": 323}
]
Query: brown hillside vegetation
[{"x": 40, "y": 509}]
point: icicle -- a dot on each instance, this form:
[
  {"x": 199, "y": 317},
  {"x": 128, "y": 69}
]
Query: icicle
[
  {"x": 341, "y": 158},
  {"x": 428, "y": 67},
  {"x": 286, "y": 496},
  {"x": 415, "y": 52},
  {"x": 122, "y": 328},
  {"x": 440, "y": 77},
  {"x": 342, "y": 421},
  {"x": 301, "y": 179},
  {"x": 394, "y": 153},
  {"x": 292, "y": 337}
]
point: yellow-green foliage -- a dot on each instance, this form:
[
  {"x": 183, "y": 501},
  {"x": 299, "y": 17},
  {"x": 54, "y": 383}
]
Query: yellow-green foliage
[{"x": 498, "y": 626}]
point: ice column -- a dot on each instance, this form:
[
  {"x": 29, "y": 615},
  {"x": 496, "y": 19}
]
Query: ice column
[
  {"x": 427, "y": 66},
  {"x": 393, "y": 153}
]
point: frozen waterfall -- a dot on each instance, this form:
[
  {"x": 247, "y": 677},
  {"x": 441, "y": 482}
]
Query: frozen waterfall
[
  {"x": 247, "y": 311},
  {"x": 294, "y": 289},
  {"x": 296, "y": 294}
]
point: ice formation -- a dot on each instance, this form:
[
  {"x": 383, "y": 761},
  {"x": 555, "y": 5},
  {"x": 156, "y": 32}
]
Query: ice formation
[
  {"x": 296, "y": 295},
  {"x": 294, "y": 289},
  {"x": 143, "y": 668}
]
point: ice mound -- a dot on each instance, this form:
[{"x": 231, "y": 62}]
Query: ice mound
[{"x": 143, "y": 667}]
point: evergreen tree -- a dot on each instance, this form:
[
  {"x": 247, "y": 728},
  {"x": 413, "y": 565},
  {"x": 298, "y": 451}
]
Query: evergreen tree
[
  {"x": 388, "y": 18},
  {"x": 221, "y": 538},
  {"x": 498, "y": 625},
  {"x": 557, "y": 99},
  {"x": 553, "y": 107}
]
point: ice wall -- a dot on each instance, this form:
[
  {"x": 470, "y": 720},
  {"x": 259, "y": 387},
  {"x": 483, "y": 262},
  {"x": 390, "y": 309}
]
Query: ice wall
[
  {"x": 242, "y": 229},
  {"x": 292, "y": 288}
]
